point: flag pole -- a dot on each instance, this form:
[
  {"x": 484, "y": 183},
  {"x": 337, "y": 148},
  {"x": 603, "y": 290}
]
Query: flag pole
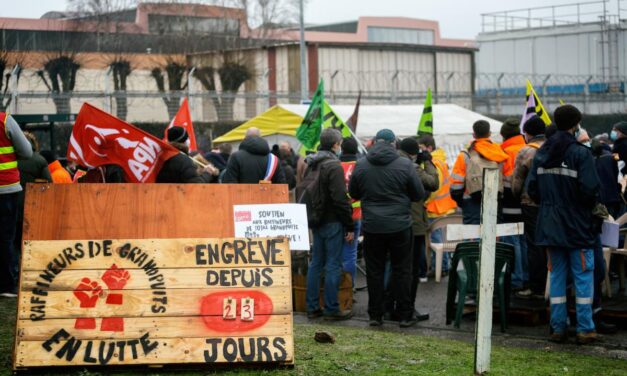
[{"x": 361, "y": 146}]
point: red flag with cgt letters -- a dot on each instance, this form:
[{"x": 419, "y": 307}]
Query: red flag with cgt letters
[{"x": 99, "y": 138}]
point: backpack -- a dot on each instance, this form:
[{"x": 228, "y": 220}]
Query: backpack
[
  {"x": 474, "y": 172},
  {"x": 310, "y": 193}
]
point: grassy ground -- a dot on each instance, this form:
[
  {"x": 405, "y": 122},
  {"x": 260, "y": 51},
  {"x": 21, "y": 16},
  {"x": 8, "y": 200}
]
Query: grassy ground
[{"x": 374, "y": 352}]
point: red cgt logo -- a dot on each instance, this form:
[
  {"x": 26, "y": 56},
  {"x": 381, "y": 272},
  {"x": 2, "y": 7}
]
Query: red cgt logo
[
  {"x": 243, "y": 216},
  {"x": 211, "y": 311}
]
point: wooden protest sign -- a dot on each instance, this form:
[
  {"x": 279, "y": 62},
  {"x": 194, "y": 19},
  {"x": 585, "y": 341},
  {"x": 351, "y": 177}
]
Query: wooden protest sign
[
  {"x": 112, "y": 302},
  {"x": 130, "y": 274}
]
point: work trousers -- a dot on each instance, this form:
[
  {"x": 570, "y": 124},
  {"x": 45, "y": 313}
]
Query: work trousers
[
  {"x": 8, "y": 225},
  {"x": 580, "y": 263},
  {"x": 536, "y": 255},
  {"x": 398, "y": 247}
]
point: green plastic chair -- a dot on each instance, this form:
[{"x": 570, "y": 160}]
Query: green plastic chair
[{"x": 464, "y": 279}]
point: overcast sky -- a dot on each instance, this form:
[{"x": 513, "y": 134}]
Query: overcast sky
[{"x": 458, "y": 18}]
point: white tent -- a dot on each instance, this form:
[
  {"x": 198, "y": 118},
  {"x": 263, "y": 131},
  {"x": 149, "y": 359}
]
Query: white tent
[{"x": 452, "y": 123}]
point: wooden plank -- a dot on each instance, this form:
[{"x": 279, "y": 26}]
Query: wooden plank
[
  {"x": 195, "y": 278},
  {"x": 154, "y": 351},
  {"x": 158, "y": 327},
  {"x": 489, "y": 206},
  {"x": 466, "y": 232},
  {"x": 152, "y": 303},
  {"x": 171, "y": 253},
  {"x": 129, "y": 211}
]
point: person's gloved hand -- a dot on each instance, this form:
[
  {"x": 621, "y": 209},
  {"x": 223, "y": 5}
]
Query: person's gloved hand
[{"x": 423, "y": 156}]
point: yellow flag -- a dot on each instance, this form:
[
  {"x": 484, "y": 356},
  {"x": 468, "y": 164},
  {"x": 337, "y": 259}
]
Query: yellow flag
[{"x": 540, "y": 111}]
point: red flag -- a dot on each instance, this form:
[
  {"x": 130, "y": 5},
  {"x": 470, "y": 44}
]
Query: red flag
[
  {"x": 352, "y": 121},
  {"x": 183, "y": 119},
  {"x": 99, "y": 139}
]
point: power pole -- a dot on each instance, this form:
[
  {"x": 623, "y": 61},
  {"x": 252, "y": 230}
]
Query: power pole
[{"x": 303, "y": 63}]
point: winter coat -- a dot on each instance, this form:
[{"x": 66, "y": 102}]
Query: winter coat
[
  {"x": 522, "y": 166},
  {"x": 337, "y": 205},
  {"x": 607, "y": 168},
  {"x": 512, "y": 212},
  {"x": 181, "y": 169},
  {"x": 428, "y": 175},
  {"x": 386, "y": 184},
  {"x": 33, "y": 168},
  {"x": 620, "y": 148},
  {"x": 248, "y": 165},
  {"x": 564, "y": 181}
]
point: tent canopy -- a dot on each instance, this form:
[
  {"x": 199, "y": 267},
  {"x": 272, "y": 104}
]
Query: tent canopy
[{"x": 452, "y": 124}]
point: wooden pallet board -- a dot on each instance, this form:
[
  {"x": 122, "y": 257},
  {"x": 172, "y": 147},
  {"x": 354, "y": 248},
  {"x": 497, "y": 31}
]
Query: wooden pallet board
[{"x": 92, "y": 294}]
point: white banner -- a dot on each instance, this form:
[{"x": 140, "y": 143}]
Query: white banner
[{"x": 272, "y": 220}]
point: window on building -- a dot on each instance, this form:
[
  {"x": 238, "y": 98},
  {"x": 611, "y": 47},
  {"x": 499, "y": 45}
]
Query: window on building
[
  {"x": 400, "y": 35},
  {"x": 162, "y": 24}
]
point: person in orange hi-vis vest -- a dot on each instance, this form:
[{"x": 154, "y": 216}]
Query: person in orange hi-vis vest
[
  {"x": 513, "y": 141},
  {"x": 439, "y": 203},
  {"x": 466, "y": 178},
  {"x": 348, "y": 158},
  {"x": 13, "y": 145}
]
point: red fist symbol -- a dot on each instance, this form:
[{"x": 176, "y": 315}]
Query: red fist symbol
[
  {"x": 116, "y": 278},
  {"x": 88, "y": 292}
]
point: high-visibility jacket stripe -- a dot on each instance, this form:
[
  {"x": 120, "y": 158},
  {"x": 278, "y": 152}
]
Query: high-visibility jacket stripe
[
  {"x": 7, "y": 150},
  {"x": 9, "y": 174}
]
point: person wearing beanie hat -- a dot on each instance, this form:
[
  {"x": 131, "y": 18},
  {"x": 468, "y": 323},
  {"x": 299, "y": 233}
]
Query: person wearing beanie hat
[
  {"x": 428, "y": 175},
  {"x": 510, "y": 128},
  {"x": 534, "y": 129},
  {"x": 181, "y": 168},
  {"x": 348, "y": 160},
  {"x": 177, "y": 134},
  {"x": 564, "y": 182},
  {"x": 385, "y": 135},
  {"x": 387, "y": 184},
  {"x": 513, "y": 141},
  {"x": 534, "y": 126}
]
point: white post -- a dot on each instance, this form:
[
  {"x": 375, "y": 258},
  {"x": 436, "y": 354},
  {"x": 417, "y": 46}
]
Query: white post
[{"x": 483, "y": 340}]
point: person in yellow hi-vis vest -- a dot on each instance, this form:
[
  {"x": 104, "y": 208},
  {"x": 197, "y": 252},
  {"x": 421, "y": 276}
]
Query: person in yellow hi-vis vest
[
  {"x": 439, "y": 203},
  {"x": 13, "y": 146}
]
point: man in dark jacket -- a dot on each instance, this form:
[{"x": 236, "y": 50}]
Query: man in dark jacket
[
  {"x": 564, "y": 181},
  {"x": 387, "y": 184},
  {"x": 181, "y": 168},
  {"x": 336, "y": 226},
  {"x": 428, "y": 175},
  {"x": 253, "y": 163}
]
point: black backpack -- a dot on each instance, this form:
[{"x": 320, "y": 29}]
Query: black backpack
[{"x": 310, "y": 193}]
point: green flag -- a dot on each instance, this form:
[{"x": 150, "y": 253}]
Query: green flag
[
  {"x": 426, "y": 120},
  {"x": 331, "y": 120},
  {"x": 308, "y": 133}
]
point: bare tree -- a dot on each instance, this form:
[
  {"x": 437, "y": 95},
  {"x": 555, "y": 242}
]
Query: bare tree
[
  {"x": 59, "y": 76},
  {"x": 7, "y": 66},
  {"x": 174, "y": 74}
]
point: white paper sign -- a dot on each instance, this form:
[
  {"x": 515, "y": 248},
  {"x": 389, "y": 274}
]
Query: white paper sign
[{"x": 269, "y": 220}]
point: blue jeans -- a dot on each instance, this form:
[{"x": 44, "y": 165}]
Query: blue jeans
[
  {"x": 349, "y": 253},
  {"x": 599, "y": 274},
  {"x": 8, "y": 225},
  {"x": 520, "y": 274},
  {"x": 580, "y": 262},
  {"x": 326, "y": 255}
]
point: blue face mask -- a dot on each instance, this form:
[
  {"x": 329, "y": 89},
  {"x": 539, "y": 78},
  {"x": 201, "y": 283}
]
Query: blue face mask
[
  {"x": 613, "y": 135},
  {"x": 578, "y": 133}
]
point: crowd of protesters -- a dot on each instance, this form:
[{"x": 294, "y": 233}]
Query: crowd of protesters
[{"x": 555, "y": 179}]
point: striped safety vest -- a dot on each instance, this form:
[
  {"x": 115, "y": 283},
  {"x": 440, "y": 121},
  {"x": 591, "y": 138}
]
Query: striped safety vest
[
  {"x": 9, "y": 174},
  {"x": 440, "y": 202}
]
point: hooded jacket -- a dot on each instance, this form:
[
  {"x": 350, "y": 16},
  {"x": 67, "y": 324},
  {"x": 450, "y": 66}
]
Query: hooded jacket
[
  {"x": 337, "y": 204},
  {"x": 181, "y": 169},
  {"x": 428, "y": 175},
  {"x": 386, "y": 184},
  {"x": 566, "y": 192},
  {"x": 248, "y": 165}
]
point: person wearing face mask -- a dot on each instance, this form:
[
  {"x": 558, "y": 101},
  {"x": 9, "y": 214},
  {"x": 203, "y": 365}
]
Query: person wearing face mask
[
  {"x": 335, "y": 227},
  {"x": 583, "y": 137},
  {"x": 564, "y": 182},
  {"x": 619, "y": 137}
]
